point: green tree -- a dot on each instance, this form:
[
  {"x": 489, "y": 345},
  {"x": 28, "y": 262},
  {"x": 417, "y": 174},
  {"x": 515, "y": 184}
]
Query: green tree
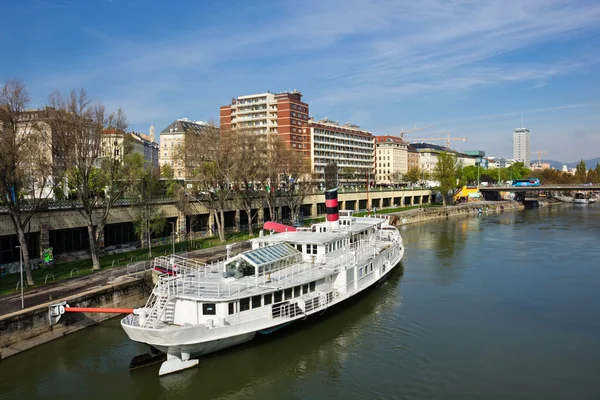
[
  {"x": 581, "y": 172},
  {"x": 468, "y": 175},
  {"x": 413, "y": 175},
  {"x": 446, "y": 173},
  {"x": 170, "y": 183}
]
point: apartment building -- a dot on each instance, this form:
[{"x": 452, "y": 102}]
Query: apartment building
[
  {"x": 172, "y": 140},
  {"x": 115, "y": 143},
  {"x": 413, "y": 157},
  {"x": 391, "y": 159},
  {"x": 284, "y": 114},
  {"x": 346, "y": 145}
]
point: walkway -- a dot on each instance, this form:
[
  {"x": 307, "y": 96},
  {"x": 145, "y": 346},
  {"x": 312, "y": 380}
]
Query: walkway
[{"x": 12, "y": 302}]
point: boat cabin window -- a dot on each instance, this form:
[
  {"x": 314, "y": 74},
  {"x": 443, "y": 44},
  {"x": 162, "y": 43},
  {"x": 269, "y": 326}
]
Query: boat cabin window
[
  {"x": 209, "y": 309},
  {"x": 305, "y": 288},
  {"x": 312, "y": 286},
  {"x": 297, "y": 291},
  {"x": 268, "y": 298},
  {"x": 244, "y": 304},
  {"x": 232, "y": 307},
  {"x": 277, "y": 296},
  {"x": 256, "y": 301},
  {"x": 288, "y": 293}
]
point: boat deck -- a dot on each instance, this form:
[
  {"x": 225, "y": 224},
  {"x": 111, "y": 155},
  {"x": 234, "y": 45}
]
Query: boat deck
[{"x": 206, "y": 282}]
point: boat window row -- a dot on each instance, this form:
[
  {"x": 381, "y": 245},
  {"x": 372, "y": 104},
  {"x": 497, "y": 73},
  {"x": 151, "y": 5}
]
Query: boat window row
[
  {"x": 366, "y": 270},
  {"x": 333, "y": 246},
  {"x": 253, "y": 302}
]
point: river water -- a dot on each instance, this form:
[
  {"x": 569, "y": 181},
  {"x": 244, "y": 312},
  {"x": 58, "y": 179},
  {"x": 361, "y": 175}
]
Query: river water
[{"x": 503, "y": 306}]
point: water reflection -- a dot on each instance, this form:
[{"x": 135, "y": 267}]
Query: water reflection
[{"x": 276, "y": 362}]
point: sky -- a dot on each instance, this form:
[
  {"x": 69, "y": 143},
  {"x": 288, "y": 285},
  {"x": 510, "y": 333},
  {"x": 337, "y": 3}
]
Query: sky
[{"x": 471, "y": 68}]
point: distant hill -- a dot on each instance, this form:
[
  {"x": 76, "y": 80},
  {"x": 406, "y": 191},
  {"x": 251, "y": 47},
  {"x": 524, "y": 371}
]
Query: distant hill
[{"x": 588, "y": 163}]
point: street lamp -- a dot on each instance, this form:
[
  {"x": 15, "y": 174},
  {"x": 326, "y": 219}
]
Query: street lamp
[
  {"x": 21, "y": 267},
  {"x": 173, "y": 232}
]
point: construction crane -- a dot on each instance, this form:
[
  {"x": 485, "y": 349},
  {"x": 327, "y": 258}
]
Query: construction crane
[
  {"x": 539, "y": 154},
  {"x": 402, "y": 132},
  {"x": 447, "y": 139}
]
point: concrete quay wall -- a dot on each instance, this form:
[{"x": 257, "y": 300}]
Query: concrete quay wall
[
  {"x": 28, "y": 328},
  {"x": 428, "y": 214}
]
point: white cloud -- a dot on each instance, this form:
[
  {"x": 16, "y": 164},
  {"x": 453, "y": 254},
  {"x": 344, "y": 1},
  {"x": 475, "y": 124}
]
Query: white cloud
[{"x": 346, "y": 53}]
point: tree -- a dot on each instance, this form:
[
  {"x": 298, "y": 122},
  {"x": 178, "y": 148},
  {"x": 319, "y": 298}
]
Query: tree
[
  {"x": 249, "y": 162},
  {"x": 469, "y": 175},
  {"x": 396, "y": 177},
  {"x": 348, "y": 173},
  {"x": 446, "y": 172},
  {"x": 208, "y": 156},
  {"x": 275, "y": 154},
  {"x": 413, "y": 175},
  {"x": 170, "y": 184},
  {"x": 149, "y": 218},
  {"x": 99, "y": 162},
  {"x": 297, "y": 181},
  {"x": 581, "y": 172},
  {"x": 31, "y": 164}
]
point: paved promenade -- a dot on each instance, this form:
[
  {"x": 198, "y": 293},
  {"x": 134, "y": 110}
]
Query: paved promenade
[{"x": 12, "y": 302}]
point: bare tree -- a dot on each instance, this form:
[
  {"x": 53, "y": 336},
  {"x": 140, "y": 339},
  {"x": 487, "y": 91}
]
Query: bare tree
[
  {"x": 30, "y": 165},
  {"x": 247, "y": 171},
  {"x": 98, "y": 162},
  {"x": 149, "y": 218},
  {"x": 269, "y": 176},
  {"x": 297, "y": 181},
  {"x": 208, "y": 158}
]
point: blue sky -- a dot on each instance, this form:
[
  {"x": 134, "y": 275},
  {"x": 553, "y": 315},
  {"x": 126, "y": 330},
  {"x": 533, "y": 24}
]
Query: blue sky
[{"x": 469, "y": 67}]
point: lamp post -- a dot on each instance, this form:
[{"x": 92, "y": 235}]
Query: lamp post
[
  {"x": 21, "y": 268},
  {"x": 173, "y": 233}
]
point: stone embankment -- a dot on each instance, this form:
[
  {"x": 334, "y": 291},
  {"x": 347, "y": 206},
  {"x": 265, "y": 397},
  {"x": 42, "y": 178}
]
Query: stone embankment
[
  {"x": 475, "y": 208},
  {"x": 27, "y": 328}
]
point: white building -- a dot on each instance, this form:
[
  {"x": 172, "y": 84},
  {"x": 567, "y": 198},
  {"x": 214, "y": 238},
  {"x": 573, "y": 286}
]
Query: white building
[
  {"x": 346, "y": 145},
  {"x": 391, "y": 159},
  {"x": 172, "y": 139},
  {"x": 521, "y": 140}
]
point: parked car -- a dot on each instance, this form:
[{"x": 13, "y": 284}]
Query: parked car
[{"x": 587, "y": 184}]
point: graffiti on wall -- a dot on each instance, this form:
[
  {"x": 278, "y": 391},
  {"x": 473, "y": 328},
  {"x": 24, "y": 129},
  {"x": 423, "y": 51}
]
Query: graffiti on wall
[{"x": 48, "y": 257}]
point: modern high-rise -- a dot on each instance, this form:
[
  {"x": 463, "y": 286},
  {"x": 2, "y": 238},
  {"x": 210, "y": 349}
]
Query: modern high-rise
[
  {"x": 521, "y": 150},
  {"x": 346, "y": 145},
  {"x": 284, "y": 114}
]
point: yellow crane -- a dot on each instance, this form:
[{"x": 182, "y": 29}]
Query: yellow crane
[
  {"x": 402, "y": 132},
  {"x": 539, "y": 154},
  {"x": 447, "y": 139}
]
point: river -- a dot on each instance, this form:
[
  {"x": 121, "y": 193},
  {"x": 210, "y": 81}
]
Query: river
[{"x": 502, "y": 306}]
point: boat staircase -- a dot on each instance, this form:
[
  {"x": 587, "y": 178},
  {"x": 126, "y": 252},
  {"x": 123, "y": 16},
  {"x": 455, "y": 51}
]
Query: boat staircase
[{"x": 161, "y": 302}]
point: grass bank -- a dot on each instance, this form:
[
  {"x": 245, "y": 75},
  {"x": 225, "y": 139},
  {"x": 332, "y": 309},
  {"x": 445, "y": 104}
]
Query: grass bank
[{"x": 73, "y": 269}]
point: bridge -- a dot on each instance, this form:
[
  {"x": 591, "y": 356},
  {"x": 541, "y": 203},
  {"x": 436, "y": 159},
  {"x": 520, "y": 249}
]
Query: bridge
[
  {"x": 493, "y": 192},
  {"x": 542, "y": 188}
]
